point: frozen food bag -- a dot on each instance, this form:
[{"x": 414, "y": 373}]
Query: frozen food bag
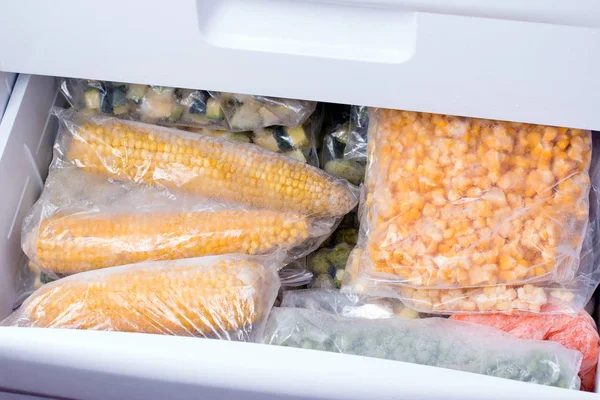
[
  {"x": 435, "y": 342},
  {"x": 225, "y": 297},
  {"x": 82, "y": 222},
  {"x": 577, "y": 333},
  {"x": 350, "y": 305},
  {"x": 332, "y": 158},
  {"x": 454, "y": 203},
  {"x": 212, "y": 167},
  {"x": 183, "y": 107},
  {"x": 358, "y": 134}
]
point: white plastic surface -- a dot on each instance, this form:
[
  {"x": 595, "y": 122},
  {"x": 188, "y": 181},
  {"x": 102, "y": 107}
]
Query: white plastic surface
[
  {"x": 533, "y": 61},
  {"x": 108, "y": 365},
  {"x": 7, "y": 80}
]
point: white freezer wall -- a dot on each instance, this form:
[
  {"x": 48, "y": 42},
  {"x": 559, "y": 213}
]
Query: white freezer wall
[{"x": 528, "y": 61}]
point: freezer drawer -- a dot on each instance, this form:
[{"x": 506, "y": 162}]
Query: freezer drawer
[
  {"x": 533, "y": 61},
  {"x": 100, "y": 365}
]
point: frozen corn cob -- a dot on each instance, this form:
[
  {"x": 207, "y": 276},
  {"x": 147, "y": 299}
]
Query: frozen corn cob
[
  {"x": 213, "y": 296},
  {"x": 67, "y": 244},
  {"x": 208, "y": 166},
  {"x": 462, "y": 202}
]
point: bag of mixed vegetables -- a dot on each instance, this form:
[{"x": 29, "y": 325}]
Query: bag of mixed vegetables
[
  {"x": 183, "y": 107},
  {"x": 463, "y": 214},
  {"x": 435, "y": 342}
]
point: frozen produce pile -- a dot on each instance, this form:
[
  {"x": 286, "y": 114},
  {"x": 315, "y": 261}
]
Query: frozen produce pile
[{"x": 325, "y": 227}]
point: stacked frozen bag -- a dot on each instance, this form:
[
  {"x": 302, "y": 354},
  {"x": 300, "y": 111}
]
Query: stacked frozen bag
[
  {"x": 151, "y": 229},
  {"x": 281, "y": 125}
]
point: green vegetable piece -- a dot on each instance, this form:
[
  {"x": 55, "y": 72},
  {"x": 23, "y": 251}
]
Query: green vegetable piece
[
  {"x": 347, "y": 235},
  {"x": 178, "y": 111},
  {"x": 246, "y": 118},
  {"x": 214, "y": 110},
  {"x": 323, "y": 281},
  {"x": 92, "y": 99},
  {"x": 297, "y": 137},
  {"x": 319, "y": 264},
  {"x": 136, "y": 92},
  {"x": 283, "y": 140},
  {"x": 338, "y": 256},
  {"x": 352, "y": 171},
  {"x": 265, "y": 139}
]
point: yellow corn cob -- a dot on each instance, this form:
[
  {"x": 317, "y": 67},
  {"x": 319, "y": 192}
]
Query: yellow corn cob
[
  {"x": 197, "y": 297},
  {"x": 83, "y": 242},
  {"x": 208, "y": 166}
]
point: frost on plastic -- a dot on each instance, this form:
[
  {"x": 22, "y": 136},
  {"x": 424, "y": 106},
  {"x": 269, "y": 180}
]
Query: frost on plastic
[
  {"x": 225, "y": 297},
  {"x": 358, "y": 137},
  {"x": 349, "y": 305},
  {"x": 212, "y": 167},
  {"x": 577, "y": 333},
  {"x": 432, "y": 341},
  {"x": 184, "y": 107},
  {"x": 462, "y": 214}
]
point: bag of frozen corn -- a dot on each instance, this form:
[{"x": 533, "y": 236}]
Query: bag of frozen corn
[
  {"x": 83, "y": 222},
  {"x": 225, "y": 297},
  {"x": 470, "y": 215},
  {"x": 436, "y": 342},
  {"x": 211, "y": 167},
  {"x": 183, "y": 107}
]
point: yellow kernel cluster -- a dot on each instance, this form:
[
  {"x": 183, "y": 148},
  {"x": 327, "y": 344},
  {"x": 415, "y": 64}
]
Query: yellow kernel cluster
[
  {"x": 197, "y": 300},
  {"x": 462, "y": 202},
  {"x": 500, "y": 298},
  {"x": 82, "y": 242},
  {"x": 207, "y": 166}
]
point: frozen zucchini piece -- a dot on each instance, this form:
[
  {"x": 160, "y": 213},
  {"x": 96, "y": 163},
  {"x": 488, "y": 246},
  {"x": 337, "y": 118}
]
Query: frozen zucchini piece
[
  {"x": 296, "y": 155},
  {"x": 266, "y": 140},
  {"x": 119, "y": 95},
  {"x": 269, "y": 119},
  {"x": 214, "y": 110},
  {"x": 136, "y": 92},
  {"x": 283, "y": 140},
  {"x": 92, "y": 99},
  {"x": 298, "y": 137},
  {"x": 177, "y": 113},
  {"x": 159, "y": 103},
  {"x": 246, "y": 117},
  {"x": 352, "y": 171}
]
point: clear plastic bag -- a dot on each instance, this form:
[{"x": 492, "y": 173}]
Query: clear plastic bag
[
  {"x": 432, "y": 341},
  {"x": 83, "y": 222},
  {"x": 225, "y": 297},
  {"x": 245, "y": 112},
  {"x": 183, "y": 107},
  {"x": 212, "y": 167},
  {"x": 577, "y": 333},
  {"x": 358, "y": 135},
  {"x": 537, "y": 233},
  {"x": 349, "y": 305}
]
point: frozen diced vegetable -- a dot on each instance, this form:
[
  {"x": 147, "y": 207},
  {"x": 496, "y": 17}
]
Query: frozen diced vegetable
[{"x": 433, "y": 341}]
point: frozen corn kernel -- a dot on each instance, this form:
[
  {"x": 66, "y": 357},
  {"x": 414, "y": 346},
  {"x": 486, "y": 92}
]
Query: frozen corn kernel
[
  {"x": 217, "y": 297},
  {"x": 515, "y": 192},
  {"x": 518, "y": 299},
  {"x": 208, "y": 166},
  {"x": 66, "y": 244}
]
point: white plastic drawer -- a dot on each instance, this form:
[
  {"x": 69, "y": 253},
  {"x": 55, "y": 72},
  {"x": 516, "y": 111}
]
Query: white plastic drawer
[
  {"x": 108, "y": 365},
  {"x": 532, "y": 61}
]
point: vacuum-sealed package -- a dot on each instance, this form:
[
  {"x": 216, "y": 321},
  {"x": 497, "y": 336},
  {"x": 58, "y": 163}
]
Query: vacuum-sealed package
[
  {"x": 349, "y": 305},
  {"x": 183, "y": 107},
  {"x": 458, "y": 202},
  {"x": 212, "y": 167},
  {"x": 432, "y": 341},
  {"x": 83, "y": 222},
  {"x": 225, "y": 297},
  {"x": 577, "y": 333}
]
